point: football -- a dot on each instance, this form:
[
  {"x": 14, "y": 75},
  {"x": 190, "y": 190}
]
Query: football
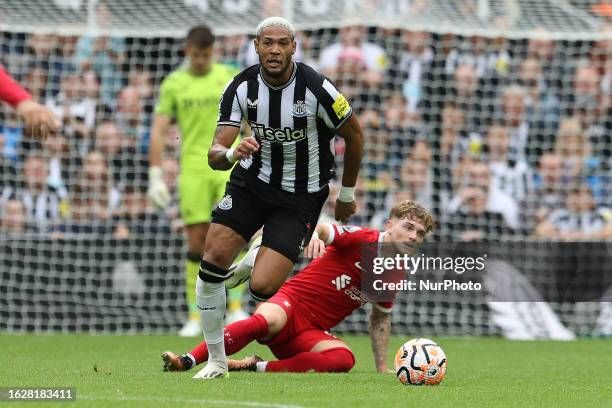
[{"x": 420, "y": 362}]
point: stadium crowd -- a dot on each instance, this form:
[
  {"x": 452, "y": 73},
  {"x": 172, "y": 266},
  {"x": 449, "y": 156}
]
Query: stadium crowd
[{"x": 497, "y": 136}]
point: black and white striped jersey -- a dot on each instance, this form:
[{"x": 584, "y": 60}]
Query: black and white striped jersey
[
  {"x": 294, "y": 125},
  {"x": 589, "y": 221}
]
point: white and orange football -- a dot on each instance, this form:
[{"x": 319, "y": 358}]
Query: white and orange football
[{"x": 420, "y": 362}]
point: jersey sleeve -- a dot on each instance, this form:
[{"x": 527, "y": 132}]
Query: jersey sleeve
[
  {"x": 342, "y": 236},
  {"x": 10, "y": 91},
  {"x": 230, "y": 113},
  {"x": 336, "y": 109},
  {"x": 166, "y": 105}
]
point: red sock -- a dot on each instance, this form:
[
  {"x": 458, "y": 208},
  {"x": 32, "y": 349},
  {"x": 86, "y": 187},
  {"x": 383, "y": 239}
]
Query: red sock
[
  {"x": 335, "y": 360},
  {"x": 236, "y": 336}
]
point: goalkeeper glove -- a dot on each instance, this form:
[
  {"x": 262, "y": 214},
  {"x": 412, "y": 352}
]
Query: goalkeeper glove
[{"x": 158, "y": 191}]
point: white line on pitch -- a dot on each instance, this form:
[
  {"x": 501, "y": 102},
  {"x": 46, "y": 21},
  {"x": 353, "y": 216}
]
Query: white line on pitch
[{"x": 189, "y": 401}]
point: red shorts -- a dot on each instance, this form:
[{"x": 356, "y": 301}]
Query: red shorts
[{"x": 299, "y": 334}]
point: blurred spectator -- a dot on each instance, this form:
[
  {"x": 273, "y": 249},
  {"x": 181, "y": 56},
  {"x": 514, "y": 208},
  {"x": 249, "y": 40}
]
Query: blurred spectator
[
  {"x": 513, "y": 115},
  {"x": 543, "y": 107},
  {"x": 12, "y": 217},
  {"x": 143, "y": 83},
  {"x": 586, "y": 93},
  {"x": 35, "y": 81},
  {"x": 91, "y": 92},
  {"x": 573, "y": 148},
  {"x": 475, "y": 187},
  {"x": 353, "y": 51},
  {"x": 8, "y": 171},
  {"x": 62, "y": 164},
  {"x": 104, "y": 56},
  {"x": 228, "y": 49},
  {"x": 548, "y": 193},
  {"x": 465, "y": 93},
  {"x": 417, "y": 179},
  {"x": 43, "y": 205},
  {"x": 76, "y": 110},
  {"x": 601, "y": 59},
  {"x": 44, "y": 52},
  {"x": 92, "y": 199},
  {"x": 592, "y": 108},
  {"x": 406, "y": 127},
  {"x": 455, "y": 142},
  {"x": 100, "y": 185},
  {"x": 543, "y": 48},
  {"x": 474, "y": 220},
  {"x": 132, "y": 119},
  {"x": 507, "y": 175},
  {"x": 475, "y": 52},
  {"x": 126, "y": 163},
  {"x": 414, "y": 68},
  {"x": 376, "y": 169},
  {"x": 578, "y": 220},
  {"x": 133, "y": 217}
]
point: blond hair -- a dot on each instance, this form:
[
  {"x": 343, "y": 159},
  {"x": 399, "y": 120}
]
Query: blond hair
[{"x": 412, "y": 210}]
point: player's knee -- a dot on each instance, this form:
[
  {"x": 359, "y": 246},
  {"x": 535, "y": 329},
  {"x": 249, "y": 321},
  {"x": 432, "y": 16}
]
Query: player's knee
[
  {"x": 262, "y": 291},
  {"x": 340, "y": 360},
  {"x": 274, "y": 322},
  {"x": 217, "y": 257}
]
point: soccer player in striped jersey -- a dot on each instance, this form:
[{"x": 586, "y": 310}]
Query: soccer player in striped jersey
[
  {"x": 190, "y": 94},
  {"x": 294, "y": 323},
  {"x": 281, "y": 180}
]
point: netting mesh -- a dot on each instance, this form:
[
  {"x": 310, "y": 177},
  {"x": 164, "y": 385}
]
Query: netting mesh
[{"x": 493, "y": 113}]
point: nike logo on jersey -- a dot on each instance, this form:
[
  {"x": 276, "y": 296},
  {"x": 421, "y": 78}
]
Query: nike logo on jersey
[
  {"x": 341, "y": 281},
  {"x": 358, "y": 265}
]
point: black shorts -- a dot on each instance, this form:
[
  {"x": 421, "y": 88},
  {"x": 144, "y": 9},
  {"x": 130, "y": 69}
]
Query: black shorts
[{"x": 288, "y": 219}]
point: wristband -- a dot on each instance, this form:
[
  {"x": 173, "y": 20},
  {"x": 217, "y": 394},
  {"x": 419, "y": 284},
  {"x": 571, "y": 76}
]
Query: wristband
[
  {"x": 347, "y": 194},
  {"x": 315, "y": 235},
  {"x": 229, "y": 155}
]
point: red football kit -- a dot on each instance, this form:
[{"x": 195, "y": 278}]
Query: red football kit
[
  {"x": 10, "y": 91},
  {"x": 325, "y": 292}
]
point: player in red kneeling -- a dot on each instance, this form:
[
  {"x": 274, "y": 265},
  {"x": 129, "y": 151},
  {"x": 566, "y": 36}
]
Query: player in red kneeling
[{"x": 294, "y": 323}]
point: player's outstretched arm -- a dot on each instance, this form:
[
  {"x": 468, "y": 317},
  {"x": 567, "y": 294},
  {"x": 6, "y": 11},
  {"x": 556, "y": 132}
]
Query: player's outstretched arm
[
  {"x": 39, "y": 121},
  {"x": 221, "y": 156},
  {"x": 380, "y": 330},
  {"x": 158, "y": 192},
  {"x": 352, "y": 134}
]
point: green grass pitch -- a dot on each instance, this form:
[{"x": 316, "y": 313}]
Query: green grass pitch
[{"x": 125, "y": 371}]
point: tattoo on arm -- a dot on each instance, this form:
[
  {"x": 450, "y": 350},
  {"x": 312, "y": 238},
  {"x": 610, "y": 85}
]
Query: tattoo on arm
[{"x": 380, "y": 330}]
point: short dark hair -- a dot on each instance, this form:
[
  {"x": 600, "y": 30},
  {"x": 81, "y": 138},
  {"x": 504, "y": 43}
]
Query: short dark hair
[{"x": 200, "y": 37}]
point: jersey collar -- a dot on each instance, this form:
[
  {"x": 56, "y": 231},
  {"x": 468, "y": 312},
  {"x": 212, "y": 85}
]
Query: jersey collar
[{"x": 282, "y": 86}]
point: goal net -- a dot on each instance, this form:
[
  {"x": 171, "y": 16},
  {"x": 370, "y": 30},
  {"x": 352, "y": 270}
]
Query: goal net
[{"x": 494, "y": 114}]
